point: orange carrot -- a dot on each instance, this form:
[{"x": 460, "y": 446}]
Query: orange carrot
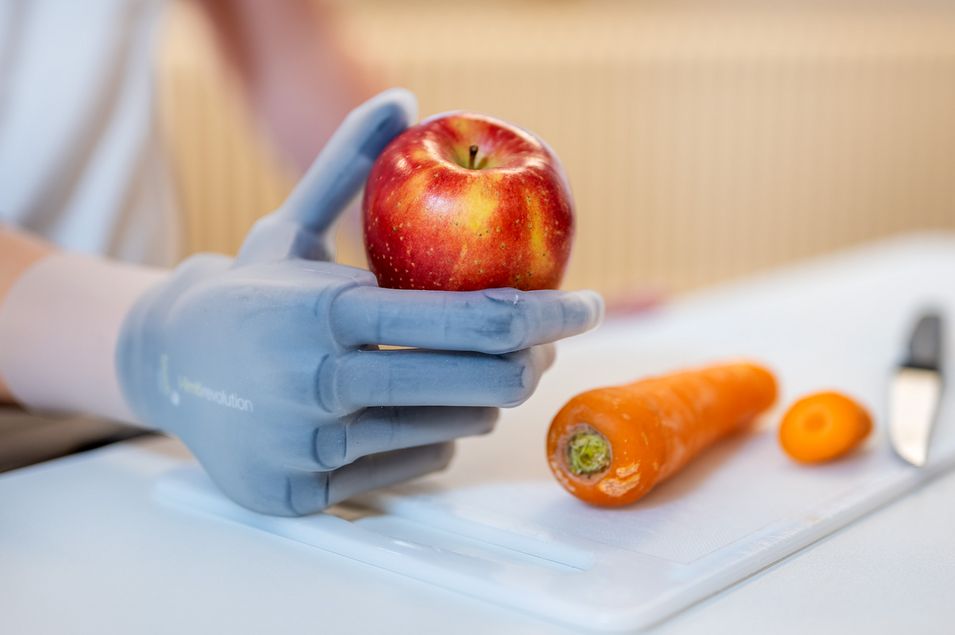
[
  {"x": 823, "y": 426},
  {"x": 610, "y": 446}
]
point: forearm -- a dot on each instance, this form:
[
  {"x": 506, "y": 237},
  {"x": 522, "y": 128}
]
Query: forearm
[
  {"x": 298, "y": 79},
  {"x": 60, "y": 317},
  {"x": 20, "y": 252}
]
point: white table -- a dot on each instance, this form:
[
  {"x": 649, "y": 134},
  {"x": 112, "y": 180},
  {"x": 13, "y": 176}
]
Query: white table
[{"x": 84, "y": 547}]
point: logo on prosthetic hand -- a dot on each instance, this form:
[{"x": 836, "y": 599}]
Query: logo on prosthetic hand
[{"x": 218, "y": 397}]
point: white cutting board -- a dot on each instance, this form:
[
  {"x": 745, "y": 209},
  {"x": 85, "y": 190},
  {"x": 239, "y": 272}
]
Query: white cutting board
[{"x": 497, "y": 526}]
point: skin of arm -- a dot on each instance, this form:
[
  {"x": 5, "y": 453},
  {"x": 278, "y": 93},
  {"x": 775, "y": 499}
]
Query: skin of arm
[
  {"x": 20, "y": 251},
  {"x": 297, "y": 77}
]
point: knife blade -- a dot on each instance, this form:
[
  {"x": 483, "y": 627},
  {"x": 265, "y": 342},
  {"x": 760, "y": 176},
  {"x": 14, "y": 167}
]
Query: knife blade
[{"x": 916, "y": 390}]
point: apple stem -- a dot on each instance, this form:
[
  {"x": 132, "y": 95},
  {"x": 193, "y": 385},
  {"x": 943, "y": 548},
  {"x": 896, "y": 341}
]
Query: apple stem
[{"x": 473, "y": 150}]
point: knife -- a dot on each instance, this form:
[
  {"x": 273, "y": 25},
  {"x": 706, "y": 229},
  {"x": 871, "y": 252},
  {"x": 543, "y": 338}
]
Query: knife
[{"x": 916, "y": 390}]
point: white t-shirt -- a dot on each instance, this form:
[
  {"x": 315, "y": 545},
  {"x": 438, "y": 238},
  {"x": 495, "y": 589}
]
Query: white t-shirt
[{"x": 80, "y": 153}]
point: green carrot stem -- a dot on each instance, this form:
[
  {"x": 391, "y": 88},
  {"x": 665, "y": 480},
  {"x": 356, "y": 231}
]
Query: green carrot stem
[{"x": 588, "y": 453}]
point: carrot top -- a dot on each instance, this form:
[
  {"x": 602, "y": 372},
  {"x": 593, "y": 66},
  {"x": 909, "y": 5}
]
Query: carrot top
[{"x": 588, "y": 452}]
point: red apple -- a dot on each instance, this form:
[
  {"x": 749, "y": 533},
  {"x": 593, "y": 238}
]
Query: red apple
[{"x": 463, "y": 201}]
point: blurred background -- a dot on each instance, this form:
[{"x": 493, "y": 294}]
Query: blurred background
[{"x": 703, "y": 140}]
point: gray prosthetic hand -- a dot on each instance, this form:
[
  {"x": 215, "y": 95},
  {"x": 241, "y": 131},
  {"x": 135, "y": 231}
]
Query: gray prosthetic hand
[{"x": 267, "y": 366}]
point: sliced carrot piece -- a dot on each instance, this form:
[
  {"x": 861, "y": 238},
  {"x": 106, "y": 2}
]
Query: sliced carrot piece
[
  {"x": 610, "y": 446},
  {"x": 823, "y": 426}
]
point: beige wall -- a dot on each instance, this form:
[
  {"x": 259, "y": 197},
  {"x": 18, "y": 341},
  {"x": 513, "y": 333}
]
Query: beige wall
[{"x": 701, "y": 144}]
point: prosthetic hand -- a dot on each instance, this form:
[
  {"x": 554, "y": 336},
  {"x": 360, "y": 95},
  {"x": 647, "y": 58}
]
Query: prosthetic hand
[{"x": 268, "y": 366}]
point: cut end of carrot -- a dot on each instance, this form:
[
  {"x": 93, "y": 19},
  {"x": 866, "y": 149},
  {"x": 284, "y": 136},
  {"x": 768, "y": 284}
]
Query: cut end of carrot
[
  {"x": 588, "y": 452},
  {"x": 823, "y": 426}
]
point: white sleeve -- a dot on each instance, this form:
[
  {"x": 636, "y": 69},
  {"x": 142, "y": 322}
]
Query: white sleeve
[
  {"x": 59, "y": 327},
  {"x": 81, "y": 155}
]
